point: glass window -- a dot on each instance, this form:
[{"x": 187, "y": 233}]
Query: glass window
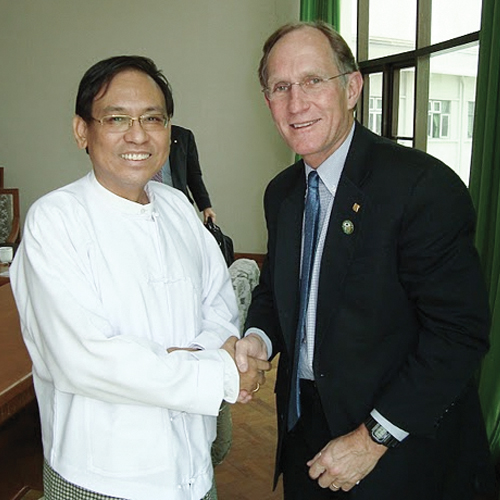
[
  {"x": 375, "y": 103},
  {"x": 348, "y": 24},
  {"x": 470, "y": 118},
  {"x": 392, "y": 27},
  {"x": 452, "y": 90},
  {"x": 453, "y": 18},
  {"x": 429, "y": 74},
  {"x": 375, "y": 120},
  {"x": 406, "y": 106},
  {"x": 439, "y": 119}
]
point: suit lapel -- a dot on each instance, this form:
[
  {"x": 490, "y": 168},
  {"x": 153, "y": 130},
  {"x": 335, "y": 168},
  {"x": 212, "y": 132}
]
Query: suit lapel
[
  {"x": 344, "y": 231},
  {"x": 337, "y": 253}
]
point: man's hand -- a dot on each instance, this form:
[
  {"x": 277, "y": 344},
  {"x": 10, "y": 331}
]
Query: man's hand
[
  {"x": 208, "y": 212},
  {"x": 250, "y": 346},
  {"x": 254, "y": 374},
  {"x": 345, "y": 461}
]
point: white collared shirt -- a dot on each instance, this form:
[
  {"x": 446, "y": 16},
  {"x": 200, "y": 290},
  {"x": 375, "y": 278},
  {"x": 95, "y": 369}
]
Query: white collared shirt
[{"x": 329, "y": 173}]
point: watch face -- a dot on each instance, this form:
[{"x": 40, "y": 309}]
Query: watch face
[{"x": 379, "y": 433}]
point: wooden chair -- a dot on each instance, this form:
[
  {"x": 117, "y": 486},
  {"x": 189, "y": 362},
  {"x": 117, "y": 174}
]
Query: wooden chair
[{"x": 9, "y": 216}]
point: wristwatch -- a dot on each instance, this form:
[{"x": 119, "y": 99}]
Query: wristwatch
[{"x": 380, "y": 434}]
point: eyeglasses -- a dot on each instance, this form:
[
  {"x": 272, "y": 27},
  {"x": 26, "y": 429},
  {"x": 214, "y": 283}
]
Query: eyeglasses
[
  {"x": 310, "y": 85},
  {"x": 122, "y": 123}
]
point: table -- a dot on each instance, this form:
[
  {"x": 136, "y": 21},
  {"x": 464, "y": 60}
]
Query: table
[
  {"x": 16, "y": 384},
  {"x": 21, "y": 456}
]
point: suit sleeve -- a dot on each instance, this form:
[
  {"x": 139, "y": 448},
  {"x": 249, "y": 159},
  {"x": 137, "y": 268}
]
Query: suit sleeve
[
  {"x": 440, "y": 272},
  {"x": 194, "y": 176}
]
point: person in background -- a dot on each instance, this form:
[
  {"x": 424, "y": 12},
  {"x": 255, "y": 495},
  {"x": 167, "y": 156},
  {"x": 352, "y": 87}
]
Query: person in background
[
  {"x": 182, "y": 171},
  {"x": 371, "y": 292},
  {"x": 126, "y": 307}
]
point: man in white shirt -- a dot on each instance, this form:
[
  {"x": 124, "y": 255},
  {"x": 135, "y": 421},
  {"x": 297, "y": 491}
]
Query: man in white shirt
[{"x": 126, "y": 307}]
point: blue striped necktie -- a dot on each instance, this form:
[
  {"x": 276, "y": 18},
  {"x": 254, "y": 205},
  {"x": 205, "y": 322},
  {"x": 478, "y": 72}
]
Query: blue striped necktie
[{"x": 310, "y": 236}]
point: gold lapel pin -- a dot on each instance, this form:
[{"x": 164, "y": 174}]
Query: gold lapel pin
[
  {"x": 348, "y": 227},
  {"x": 356, "y": 207}
]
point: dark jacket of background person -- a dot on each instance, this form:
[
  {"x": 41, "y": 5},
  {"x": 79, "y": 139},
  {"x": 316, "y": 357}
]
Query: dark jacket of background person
[{"x": 185, "y": 167}]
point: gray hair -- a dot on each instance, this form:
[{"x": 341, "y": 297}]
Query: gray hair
[{"x": 342, "y": 54}]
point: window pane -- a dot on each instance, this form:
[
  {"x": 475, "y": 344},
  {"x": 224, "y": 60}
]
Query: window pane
[
  {"x": 392, "y": 27},
  {"x": 348, "y": 24},
  {"x": 375, "y": 111},
  {"x": 452, "y": 18},
  {"x": 470, "y": 122},
  {"x": 406, "y": 105},
  {"x": 452, "y": 90}
]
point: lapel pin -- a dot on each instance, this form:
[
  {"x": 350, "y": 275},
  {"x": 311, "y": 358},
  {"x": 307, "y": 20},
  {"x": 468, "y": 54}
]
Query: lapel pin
[
  {"x": 348, "y": 227},
  {"x": 356, "y": 207}
]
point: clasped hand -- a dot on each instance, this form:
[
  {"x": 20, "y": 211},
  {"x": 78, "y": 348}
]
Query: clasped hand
[
  {"x": 252, "y": 368},
  {"x": 252, "y": 376}
]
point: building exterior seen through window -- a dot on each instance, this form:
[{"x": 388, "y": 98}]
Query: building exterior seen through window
[
  {"x": 420, "y": 83},
  {"x": 438, "y": 124},
  {"x": 375, "y": 123}
]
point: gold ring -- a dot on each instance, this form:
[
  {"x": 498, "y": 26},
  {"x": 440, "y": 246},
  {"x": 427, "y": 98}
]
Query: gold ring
[
  {"x": 258, "y": 387},
  {"x": 334, "y": 487}
]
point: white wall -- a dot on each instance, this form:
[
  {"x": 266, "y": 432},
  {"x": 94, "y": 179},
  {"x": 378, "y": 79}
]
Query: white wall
[{"x": 209, "y": 50}]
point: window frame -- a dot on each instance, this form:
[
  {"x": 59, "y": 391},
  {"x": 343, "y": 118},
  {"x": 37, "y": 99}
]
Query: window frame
[{"x": 391, "y": 66}]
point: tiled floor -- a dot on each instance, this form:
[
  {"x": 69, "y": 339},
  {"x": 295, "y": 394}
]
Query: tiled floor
[{"x": 247, "y": 472}]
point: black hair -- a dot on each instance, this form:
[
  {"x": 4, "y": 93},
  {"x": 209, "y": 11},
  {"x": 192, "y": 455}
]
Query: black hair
[{"x": 99, "y": 76}]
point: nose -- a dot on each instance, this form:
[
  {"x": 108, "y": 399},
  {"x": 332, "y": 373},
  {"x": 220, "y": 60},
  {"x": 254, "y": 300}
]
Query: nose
[
  {"x": 298, "y": 99},
  {"x": 136, "y": 133}
]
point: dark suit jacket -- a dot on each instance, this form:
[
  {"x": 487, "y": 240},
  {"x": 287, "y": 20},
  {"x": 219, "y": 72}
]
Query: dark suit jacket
[
  {"x": 185, "y": 167},
  {"x": 402, "y": 313}
]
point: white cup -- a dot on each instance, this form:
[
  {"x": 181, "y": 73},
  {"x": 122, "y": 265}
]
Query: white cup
[{"x": 6, "y": 255}]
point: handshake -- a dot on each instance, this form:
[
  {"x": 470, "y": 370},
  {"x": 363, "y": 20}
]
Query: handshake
[{"x": 250, "y": 356}]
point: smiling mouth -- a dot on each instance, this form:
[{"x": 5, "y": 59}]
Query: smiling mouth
[
  {"x": 297, "y": 126},
  {"x": 136, "y": 156}
]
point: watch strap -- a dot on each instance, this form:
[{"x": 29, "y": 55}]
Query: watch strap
[{"x": 379, "y": 434}]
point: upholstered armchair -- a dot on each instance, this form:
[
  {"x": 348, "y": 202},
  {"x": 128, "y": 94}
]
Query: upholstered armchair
[{"x": 9, "y": 216}]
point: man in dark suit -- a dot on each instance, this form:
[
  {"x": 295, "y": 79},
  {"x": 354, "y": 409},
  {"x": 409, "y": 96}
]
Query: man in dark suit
[
  {"x": 374, "y": 389},
  {"x": 183, "y": 171}
]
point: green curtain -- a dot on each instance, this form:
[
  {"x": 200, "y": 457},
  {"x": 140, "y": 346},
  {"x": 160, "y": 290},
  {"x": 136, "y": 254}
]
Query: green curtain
[
  {"x": 485, "y": 191},
  {"x": 321, "y": 10}
]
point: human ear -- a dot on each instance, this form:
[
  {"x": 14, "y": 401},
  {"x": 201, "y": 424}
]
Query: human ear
[
  {"x": 354, "y": 87},
  {"x": 80, "y": 129},
  {"x": 268, "y": 102}
]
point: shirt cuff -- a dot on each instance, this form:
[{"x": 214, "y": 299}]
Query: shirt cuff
[
  {"x": 264, "y": 337},
  {"x": 394, "y": 430},
  {"x": 231, "y": 378}
]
